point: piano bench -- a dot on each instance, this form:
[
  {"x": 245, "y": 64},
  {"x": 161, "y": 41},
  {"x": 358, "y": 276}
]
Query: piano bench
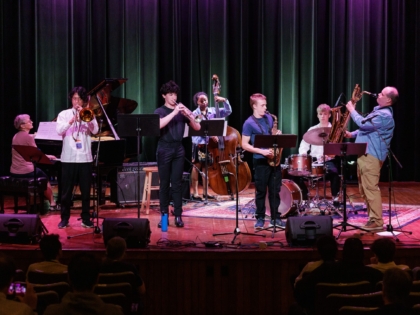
[
  {"x": 145, "y": 203},
  {"x": 10, "y": 186}
]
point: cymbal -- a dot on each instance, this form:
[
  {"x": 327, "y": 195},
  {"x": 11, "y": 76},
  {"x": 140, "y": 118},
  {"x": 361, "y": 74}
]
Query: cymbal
[{"x": 317, "y": 136}]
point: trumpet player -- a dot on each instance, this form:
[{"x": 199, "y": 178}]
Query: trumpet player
[
  {"x": 170, "y": 151},
  {"x": 76, "y": 155},
  {"x": 376, "y": 129},
  {"x": 203, "y": 111}
]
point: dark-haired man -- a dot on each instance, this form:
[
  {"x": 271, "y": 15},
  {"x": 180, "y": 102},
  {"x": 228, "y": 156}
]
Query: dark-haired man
[
  {"x": 50, "y": 247},
  {"x": 76, "y": 155},
  {"x": 170, "y": 151}
]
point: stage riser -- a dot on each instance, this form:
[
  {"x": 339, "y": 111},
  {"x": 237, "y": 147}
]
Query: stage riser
[{"x": 219, "y": 281}]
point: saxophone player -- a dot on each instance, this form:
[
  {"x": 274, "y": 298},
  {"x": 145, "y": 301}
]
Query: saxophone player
[
  {"x": 376, "y": 129},
  {"x": 266, "y": 177}
]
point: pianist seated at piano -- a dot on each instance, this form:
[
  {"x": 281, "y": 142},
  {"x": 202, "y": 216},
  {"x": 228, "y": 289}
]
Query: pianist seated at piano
[
  {"x": 21, "y": 168},
  {"x": 76, "y": 155}
]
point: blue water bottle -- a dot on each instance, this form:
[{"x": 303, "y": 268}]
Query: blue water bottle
[{"x": 164, "y": 222}]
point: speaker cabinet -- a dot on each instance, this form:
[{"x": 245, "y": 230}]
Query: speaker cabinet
[
  {"x": 186, "y": 194},
  {"x": 136, "y": 232},
  {"x": 127, "y": 186},
  {"x": 304, "y": 231},
  {"x": 20, "y": 228}
]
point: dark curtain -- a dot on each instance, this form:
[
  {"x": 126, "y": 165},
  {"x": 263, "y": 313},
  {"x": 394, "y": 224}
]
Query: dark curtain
[{"x": 299, "y": 53}]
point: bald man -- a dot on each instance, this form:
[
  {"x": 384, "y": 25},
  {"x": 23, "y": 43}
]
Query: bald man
[{"x": 376, "y": 129}]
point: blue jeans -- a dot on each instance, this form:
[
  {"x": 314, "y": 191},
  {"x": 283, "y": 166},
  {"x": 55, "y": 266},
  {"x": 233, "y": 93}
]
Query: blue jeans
[{"x": 170, "y": 166}]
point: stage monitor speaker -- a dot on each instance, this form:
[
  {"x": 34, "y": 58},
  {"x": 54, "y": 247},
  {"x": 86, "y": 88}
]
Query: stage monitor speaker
[
  {"x": 20, "y": 228},
  {"x": 304, "y": 231},
  {"x": 136, "y": 232},
  {"x": 127, "y": 186}
]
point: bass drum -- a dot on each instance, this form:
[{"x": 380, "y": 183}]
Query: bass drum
[{"x": 291, "y": 198}]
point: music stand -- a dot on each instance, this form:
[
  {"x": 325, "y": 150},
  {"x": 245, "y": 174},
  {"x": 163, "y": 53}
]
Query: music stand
[
  {"x": 138, "y": 125},
  {"x": 275, "y": 142},
  {"x": 209, "y": 128},
  {"x": 344, "y": 149},
  {"x": 33, "y": 155}
]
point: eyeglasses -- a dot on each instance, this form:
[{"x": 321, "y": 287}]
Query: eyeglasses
[
  {"x": 76, "y": 98},
  {"x": 28, "y": 122}
]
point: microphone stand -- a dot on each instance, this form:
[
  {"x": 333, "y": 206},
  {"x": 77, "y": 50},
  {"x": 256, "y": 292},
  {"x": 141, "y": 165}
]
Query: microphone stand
[
  {"x": 237, "y": 231},
  {"x": 389, "y": 227}
]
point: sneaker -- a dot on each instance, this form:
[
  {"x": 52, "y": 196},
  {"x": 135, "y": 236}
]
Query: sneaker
[
  {"x": 63, "y": 224},
  {"x": 373, "y": 226},
  {"x": 87, "y": 224},
  {"x": 259, "y": 224},
  {"x": 279, "y": 223},
  {"x": 367, "y": 223}
]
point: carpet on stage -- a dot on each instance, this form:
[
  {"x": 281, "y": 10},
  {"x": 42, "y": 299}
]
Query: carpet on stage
[{"x": 401, "y": 215}]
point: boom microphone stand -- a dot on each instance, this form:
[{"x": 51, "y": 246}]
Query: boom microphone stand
[{"x": 237, "y": 231}]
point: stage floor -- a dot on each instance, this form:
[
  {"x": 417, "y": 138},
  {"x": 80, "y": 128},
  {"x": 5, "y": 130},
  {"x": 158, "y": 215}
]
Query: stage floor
[{"x": 199, "y": 230}]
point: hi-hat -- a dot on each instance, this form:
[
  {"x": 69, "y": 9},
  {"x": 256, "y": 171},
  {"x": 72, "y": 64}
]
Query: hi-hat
[{"x": 317, "y": 136}]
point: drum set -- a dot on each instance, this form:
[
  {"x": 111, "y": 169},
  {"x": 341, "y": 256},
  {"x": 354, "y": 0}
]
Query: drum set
[{"x": 302, "y": 165}]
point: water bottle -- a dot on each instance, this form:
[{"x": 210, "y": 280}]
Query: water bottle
[{"x": 164, "y": 222}]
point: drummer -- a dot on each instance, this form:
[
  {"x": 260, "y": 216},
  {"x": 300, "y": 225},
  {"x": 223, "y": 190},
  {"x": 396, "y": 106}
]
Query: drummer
[{"x": 317, "y": 153}]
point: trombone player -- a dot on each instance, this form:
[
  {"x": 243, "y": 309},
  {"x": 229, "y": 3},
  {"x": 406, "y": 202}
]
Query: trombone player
[{"x": 76, "y": 155}]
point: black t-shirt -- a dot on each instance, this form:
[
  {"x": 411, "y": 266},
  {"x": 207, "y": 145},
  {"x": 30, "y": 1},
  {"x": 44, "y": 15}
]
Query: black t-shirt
[{"x": 173, "y": 132}]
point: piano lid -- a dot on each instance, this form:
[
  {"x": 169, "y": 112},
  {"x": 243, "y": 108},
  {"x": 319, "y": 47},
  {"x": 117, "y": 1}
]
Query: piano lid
[{"x": 111, "y": 104}]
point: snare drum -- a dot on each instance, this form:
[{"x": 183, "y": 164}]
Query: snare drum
[
  {"x": 291, "y": 198},
  {"x": 300, "y": 164},
  {"x": 318, "y": 169}
]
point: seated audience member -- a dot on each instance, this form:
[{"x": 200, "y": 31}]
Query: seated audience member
[
  {"x": 384, "y": 252},
  {"x": 327, "y": 249},
  {"x": 350, "y": 269},
  {"x": 50, "y": 246},
  {"x": 83, "y": 272},
  {"x": 395, "y": 291},
  {"x": 113, "y": 262},
  {"x": 26, "y": 304}
]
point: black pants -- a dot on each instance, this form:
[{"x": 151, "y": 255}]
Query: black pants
[
  {"x": 75, "y": 173},
  {"x": 267, "y": 177},
  {"x": 171, "y": 166}
]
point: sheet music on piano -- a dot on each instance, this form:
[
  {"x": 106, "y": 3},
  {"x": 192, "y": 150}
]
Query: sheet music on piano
[{"x": 47, "y": 131}]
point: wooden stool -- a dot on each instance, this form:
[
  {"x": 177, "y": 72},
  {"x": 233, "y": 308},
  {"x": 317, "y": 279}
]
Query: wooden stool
[{"x": 145, "y": 203}]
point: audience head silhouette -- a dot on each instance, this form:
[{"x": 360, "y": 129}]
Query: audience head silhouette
[
  {"x": 327, "y": 247},
  {"x": 115, "y": 248},
  {"x": 83, "y": 272},
  {"x": 353, "y": 251},
  {"x": 384, "y": 249},
  {"x": 396, "y": 286},
  {"x": 50, "y": 246}
]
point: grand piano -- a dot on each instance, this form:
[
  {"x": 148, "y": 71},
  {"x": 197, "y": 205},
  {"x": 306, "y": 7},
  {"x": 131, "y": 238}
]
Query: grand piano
[{"x": 112, "y": 150}]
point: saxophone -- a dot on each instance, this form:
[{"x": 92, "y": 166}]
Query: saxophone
[
  {"x": 341, "y": 116},
  {"x": 279, "y": 151}
]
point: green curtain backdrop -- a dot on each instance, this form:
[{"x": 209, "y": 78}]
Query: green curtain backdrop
[{"x": 299, "y": 53}]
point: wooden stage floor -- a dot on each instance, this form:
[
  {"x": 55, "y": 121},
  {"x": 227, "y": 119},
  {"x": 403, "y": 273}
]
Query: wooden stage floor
[{"x": 206, "y": 275}]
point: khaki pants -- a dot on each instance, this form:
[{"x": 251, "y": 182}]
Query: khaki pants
[{"x": 368, "y": 172}]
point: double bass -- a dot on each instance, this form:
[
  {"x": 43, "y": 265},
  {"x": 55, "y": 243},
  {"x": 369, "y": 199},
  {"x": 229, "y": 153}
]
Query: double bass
[{"x": 222, "y": 173}]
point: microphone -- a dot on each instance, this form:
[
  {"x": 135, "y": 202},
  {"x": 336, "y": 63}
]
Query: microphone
[
  {"x": 374, "y": 95},
  {"x": 369, "y": 118},
  {"x": 338, "y": 100}
]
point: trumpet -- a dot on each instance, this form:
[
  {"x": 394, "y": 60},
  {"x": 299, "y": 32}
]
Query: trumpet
[{"x": 189, "y": 114}]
